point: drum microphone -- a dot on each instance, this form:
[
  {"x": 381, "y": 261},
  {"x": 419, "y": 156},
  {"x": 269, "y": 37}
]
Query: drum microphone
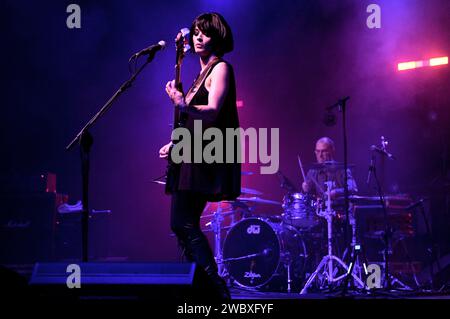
[
  {"x": 382, "y": 151},
  {"x": 151, "y": 49}
]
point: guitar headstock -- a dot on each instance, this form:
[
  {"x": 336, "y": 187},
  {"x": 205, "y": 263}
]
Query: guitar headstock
[{"x": 182, "y": 44}]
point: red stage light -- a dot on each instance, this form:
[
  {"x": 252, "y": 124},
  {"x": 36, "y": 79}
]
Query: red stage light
[
  {"x": 439, "y": 61},
  {"x": 418, "y": 64}
]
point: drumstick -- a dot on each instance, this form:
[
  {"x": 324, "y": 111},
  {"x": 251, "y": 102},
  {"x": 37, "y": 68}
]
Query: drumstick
[
  {"x": 304, "y": 177},
  {"x": 301, "y": 168}
]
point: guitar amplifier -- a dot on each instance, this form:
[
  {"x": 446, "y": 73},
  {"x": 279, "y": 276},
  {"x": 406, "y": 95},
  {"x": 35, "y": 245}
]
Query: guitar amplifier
[
  {"x": 27, "y": 217},
  {"x": 26, "y": 227}
]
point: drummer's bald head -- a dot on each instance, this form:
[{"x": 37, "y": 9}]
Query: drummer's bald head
[
  {"x": 326, "y": 140},
  {"x": 324, "y": 149}
]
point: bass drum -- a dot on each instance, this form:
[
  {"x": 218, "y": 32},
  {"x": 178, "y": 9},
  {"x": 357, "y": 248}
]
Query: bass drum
[{"x": 257, "y": 253}]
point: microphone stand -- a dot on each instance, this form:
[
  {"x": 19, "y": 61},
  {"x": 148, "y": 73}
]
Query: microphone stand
[
  {"x": 432, "y": 247},
  {"x": 341, "y": 105},
  {"x": 85, "y": 140},
  {"x": 387, "y": 230}
]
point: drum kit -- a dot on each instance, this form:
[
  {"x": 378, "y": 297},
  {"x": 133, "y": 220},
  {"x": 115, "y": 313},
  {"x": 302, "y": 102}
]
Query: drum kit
[{"x": 279, "y": 251}]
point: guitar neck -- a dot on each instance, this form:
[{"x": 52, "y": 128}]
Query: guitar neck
[
  {"x": 176, "y": 113},
  {"x": 178, "y": 76}
]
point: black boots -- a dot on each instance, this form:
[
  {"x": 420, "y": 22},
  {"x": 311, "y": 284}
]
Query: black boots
[
  {"x": 219, "y": 286},
  {"x": 209, "y": 284}
]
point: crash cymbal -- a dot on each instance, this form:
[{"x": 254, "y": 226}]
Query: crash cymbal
[
  {"x": 250, "y": 191},
  {"x": 257, "y": 200},
  {"x": 331, "y": 165}
]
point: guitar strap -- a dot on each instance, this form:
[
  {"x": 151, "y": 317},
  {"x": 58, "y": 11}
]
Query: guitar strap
[{"x": 200, "y": 79}]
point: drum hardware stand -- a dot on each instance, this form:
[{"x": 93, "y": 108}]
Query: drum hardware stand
[
  {"x": 326, "y": 263},
  {"x": 355, "y": 266},
  {"x": 287, "y": 261},
  {"x": 216, "y": 224},
  {"x": 355, "y": 254}
]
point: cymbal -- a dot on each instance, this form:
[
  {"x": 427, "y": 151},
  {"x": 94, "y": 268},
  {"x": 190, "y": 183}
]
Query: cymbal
[
  {"x": 222, "y": 213},
  {"x": 250, "y": 191},
  {"x": 331, "y": 165},
  {"x": 237, "y": 204},
  {"x": 211, "y": 230},
  {"x": 257, "y": 200}
]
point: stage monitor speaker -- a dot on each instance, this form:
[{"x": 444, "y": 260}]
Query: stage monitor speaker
[{"x": 155, "y": 281}]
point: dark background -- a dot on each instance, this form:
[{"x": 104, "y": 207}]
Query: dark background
[{"x": 292, "y": 59}]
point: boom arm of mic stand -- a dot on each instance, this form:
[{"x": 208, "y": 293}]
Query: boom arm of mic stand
[
  {"x": 84, "y": 138},
  {"x": 127, "y": 84}
]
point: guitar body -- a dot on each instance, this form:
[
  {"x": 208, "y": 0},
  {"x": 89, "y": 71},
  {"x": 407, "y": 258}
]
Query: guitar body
[{"x": 172, "y": 174}]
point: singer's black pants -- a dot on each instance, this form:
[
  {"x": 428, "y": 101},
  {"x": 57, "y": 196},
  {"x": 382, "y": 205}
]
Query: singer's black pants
[{"x": 186, "y": 211}]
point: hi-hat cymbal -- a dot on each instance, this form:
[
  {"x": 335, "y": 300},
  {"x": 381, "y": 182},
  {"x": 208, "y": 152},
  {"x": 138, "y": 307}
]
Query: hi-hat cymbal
[
  {"x": 331, "y": 165},
  {"x": 257, "y": 200},
  {"x": 250, "y": 191}
]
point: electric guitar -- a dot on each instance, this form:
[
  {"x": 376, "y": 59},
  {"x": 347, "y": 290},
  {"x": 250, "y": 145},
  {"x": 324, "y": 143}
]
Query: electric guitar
[{"x": 182, "y": 47}]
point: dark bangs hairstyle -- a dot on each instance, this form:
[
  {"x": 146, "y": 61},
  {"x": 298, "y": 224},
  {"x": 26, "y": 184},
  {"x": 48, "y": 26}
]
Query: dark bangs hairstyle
[{"x": 213, "y": 25}]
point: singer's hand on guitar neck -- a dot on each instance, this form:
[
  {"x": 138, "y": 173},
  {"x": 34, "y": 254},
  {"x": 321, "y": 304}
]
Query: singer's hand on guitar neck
[{"x": 174, "y": 94}]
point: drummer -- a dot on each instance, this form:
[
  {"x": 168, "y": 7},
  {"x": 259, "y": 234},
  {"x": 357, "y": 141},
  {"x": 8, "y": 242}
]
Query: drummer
[{"x": 316, "y": 178}]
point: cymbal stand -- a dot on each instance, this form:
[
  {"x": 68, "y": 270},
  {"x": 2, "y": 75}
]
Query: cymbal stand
[
  {"x": 216, "y": 226},
  {"x": 326, "y": 264}
]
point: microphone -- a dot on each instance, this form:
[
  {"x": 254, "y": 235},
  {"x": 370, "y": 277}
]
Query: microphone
[
  {"x": 382, "y": 151},
  {"x": 329, "y": 118},
  {"x": 151, "y": 49}
]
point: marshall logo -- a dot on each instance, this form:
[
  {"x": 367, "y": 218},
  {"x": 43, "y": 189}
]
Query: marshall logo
[
  {"x": 253, "y": 229},
  {"x": 17, "y": 224}
]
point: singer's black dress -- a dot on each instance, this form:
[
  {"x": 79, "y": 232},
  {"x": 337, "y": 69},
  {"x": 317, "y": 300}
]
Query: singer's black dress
[{"x": 215, "y": 181}]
